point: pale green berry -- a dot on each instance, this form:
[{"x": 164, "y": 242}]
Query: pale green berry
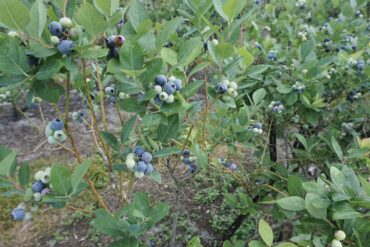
[
  {"x": 60, "y": 136},
  {"x": 226, "y": 98},
  {"x": 130, "y": 163},
  {"x": 66, "y": 22},
  {"x": 13, "y": 34},
  {"x": 130, "y": 156},
  {"x": 27, "y": 216},
  {"x": 139, "y": 174},
  {"x": 304, "y": 71},
  {"x": 340, "y": 235},
  {"x": 215, "y": 42},
  {"x": 336, "y": 243},
  {"x": 2, "y": 96},
  {"x": 171, "y": 78},
  {"x": 235, "y": 94},
  {"x": 170, "y": 99},
  {"x": 36, "y": 99},
  {"x": 226, "y": 82},
  {"x": 230, "y": 91},
  {"x": 233, "y": 85},
  {"x": 37, "y": 196},
  {"x": 38, "y": 175},
  {"x": 49, "y": 131},
  {"x": 8, "y": 93},
  {"x": 52, "y": 140},
  {"x": 122, "y": 95},
  {"x": 163, "y": 96},
  {"x": 192, "y": 158},
  {"x": 54, "y": 40},
  {"x": 46, "y": 178},
  {"x": 48, "y": 171},
  {"x": 107, "y": 90},
  {"x": 75, "y": 116},
  {"x": 22, "y": 206},
  {"x": 157, "y": 89}
]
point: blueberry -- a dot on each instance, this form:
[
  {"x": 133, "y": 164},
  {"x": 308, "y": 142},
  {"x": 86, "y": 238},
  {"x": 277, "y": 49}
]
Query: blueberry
[
  {"x": 18, "y": 214},
  {"x": 56, "y": 29},
  {"x": 221, "y": 88},
  {"x": 160, "y": 80},
  {"x": 139, "y": 151},
  {"x": 149, "y": 169},
  {"x": 232, "y": 166},
  {"x": 110, "y": 42},
  {"x": 169, "y": 87},
  {"x": 113, "y": 53},
  {"x": 37, "y": 186},
  {"x": 32, "y": 60},
  {"x": 57, "y": 124},
  {"x": 186, "y": 161},
  {"x": 178, "y": 84},
  {"x": 146, "y": 157},
  {"x": 271, "y": 56},
  {"x": 192, "y": 168},
  {"x": 258, "y": 125},
  {"x": 66, "y": 47},
  {"x": 186, "y": 153},
  {"x": 157, "y": 100},
  {"x": 141, "y": 166}
]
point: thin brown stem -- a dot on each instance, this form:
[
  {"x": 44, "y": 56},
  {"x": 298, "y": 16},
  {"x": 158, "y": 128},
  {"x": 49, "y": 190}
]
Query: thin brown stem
[
  {"x": 98, "y": 197},
  {"x": 28, "y": 118},
  {"x": 205, "y": 113},
  {"x": 101, "y": 96}
]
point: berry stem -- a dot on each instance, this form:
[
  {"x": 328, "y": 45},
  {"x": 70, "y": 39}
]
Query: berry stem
[
  {"x": 205, "y": 113},
  {"x": 117, "y": 106},
  {"x": 98, "y": 197},
  {"x": 101, "y": 95},
  {"x": 42, "y": 115},
  {"x": 28, "y": 118}
]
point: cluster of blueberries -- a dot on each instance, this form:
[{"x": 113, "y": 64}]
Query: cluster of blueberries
[
  {"x": 165, "y": 89},
  {"x": 189, "y": 160},
  {"x": 59, "y": 34},
  {"x": 139, "y": 162},
  {"x": 4, "y": 97},
  {"x": 228, "y": 164},
  {"x": 303, "y": 35},
  {"x": 298, "y": 87},
  {"x": 339, "y": 236},
  {"x": 360, "y": 65},
  {"x": 110, "y": 92},
  {"x": 39, "y": 189},
  {"x": 296, "y": 119},
  {"x": 114, "y": 42},
  {"x": 227, "y": 89},
  {"x": 353, "y": 96},
  {"x": 276, "y": 106},
  {"x": 54, "y": 131},
  {"x": 347, "y": 128},
  {"x": 272, "y": 55},
  {"x": 256, "y": 128}
]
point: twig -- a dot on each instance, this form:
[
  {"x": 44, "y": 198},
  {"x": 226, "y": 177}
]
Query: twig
[
  {"x": 28, "y": 118},
  {"x": 98, "y": 197},
  {"x": 79, "y": 209},
  {"x": 101, "y": 95},
  {"x": 42, "y": 116}
]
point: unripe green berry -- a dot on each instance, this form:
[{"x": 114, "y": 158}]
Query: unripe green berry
[
  {"x": 13, "y": 34},
  {"x": 340, "y": 235},
  {"x": 66, "y": 22},
  {"x": 215, "y": 42},
  {"x": 139, "y": 174},
  {"x": 54, "y": 40},
  {"x": 170, "y": 99},
  {"x": 130, "y": 163},
  {"x": 336, "y": 243},
  {"x": 37, "y": 196}
]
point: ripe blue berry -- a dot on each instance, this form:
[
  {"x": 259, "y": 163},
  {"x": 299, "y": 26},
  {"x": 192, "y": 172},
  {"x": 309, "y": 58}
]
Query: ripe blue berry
[
  {"x": 221, "y": 88},
  {"x": 18, "y": 214},
  {"x": 158, "y": 101},
  {"x": 139, "y": 151},
  {"x": 141, "y": 166},
  {"x": 192, "y": 168},
  {"x": 57, "y": 124},
  {"x": 178, "y": 84},
  {"x": 56, "y": 29},
  {"x": 149, "y": 169},
  {"x": 66, "y": 47},
  {"x": 110, "y": 42},
  {"x": 160, "y": 80},
  {"x": 113, "y": 53},
  {"x": 169, "y": 88},
  {"x": 37, "y": 186},
  {"x": 146, "y": 157},
  {"x": 258, "y": 125},
  {"x": 186, "y": 161},
  {"x": 186, "y": 153}
]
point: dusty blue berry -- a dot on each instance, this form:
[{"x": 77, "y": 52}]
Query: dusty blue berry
[
  {"x": 110, "y": 42},
  {"x": 139, "y": 151},
  {"x": 221, "y": 88},
  {"x": 18, "y": 214},
  {"x": 169, "y": 88},
  {"x": 149, "y": 169},
  {"x": 66, "y": 47},
  {"x": 160, "y": 80},
  {"x": 178, "y": 84},
  {"x": 146, "y": 157},
  {"x": 141, "y": 166},
  {"x": 57, "y": 124},
  {"x": 186, "y": 153},
  {"x": 55, "y": 29},
  {"x": 37, "y": 186}
]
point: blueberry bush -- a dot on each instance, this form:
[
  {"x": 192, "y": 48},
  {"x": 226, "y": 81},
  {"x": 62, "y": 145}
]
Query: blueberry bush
[{"x": 286, "y": 80}]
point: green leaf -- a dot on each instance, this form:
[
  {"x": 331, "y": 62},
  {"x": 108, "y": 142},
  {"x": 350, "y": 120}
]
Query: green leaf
[
  {"x": 247, "y": 56},
  {"x": 24, "y": 174},
  {"x": 295, "y": 187},
  {"x": 151, "y": 70},
  {"x": 110, "y": 139},
  {"x": 306, "y": 49},
  {"x": 345, "y": 212},
  {"x": 266, "y": 232},
  {"x": 337, "y": 148},
  {"x": 169, "y": 56},
  {"x": 127, "y": 129},
  {"x": 347, "y": 10},
  {"x": 106, "y": 7},
  {"x": 233, "y": 7},
  {"x": 316, "y": 212},
  {"x": 218, "y": 4},
  {"x": 79, "y": 173},
  {"x": 259, "y": 95},
  {"x": 91, "y": 20},
  {"x": 166, "y": 131},
  {"x": 286, "y": 244},
  {"x": 167, "y": 30},
  {"x": 13, "y": 59},
  {"x": 302, "y": 140},
  {"x": 48, "y": 90},
  {"x": 7, "y": 164},
  {"x": 14, "y": 15},
  {"x": 194, "y": 242},
  {"x": 167, "y": 152},
  {"x": 292, "y": 203},
  {"x": 137, "y": 14},
  {"x": 38, "y": 18},
  {"x": 108, "y": 224},
  {"x": 131, "y": 56},
  {"x": 127, "y": 242},
  {"x": 60, "y": 180},
  {"x": 191, "y": 88},
  {"x": 156, "y": 176},
  {"x": 40, "y": 51},
  {"x": 224, "y": 50},
  {"x": 49, "y": 68},
  {"x": 189, "y": 50}
]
